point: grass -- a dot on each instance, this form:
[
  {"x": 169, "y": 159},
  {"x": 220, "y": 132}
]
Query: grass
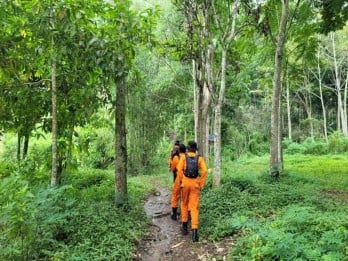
[
  {"x": 330, "y": 170},
  {"x": 76, "y": 221},
  {"x": 302, "y": 216}
]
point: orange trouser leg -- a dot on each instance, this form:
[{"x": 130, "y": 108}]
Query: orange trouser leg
[
  {"x": 175, "y": 195},
  {"x": 185, "y": 192},
  {"x": 193, "y": 205},
  {"x": 190, "y": 202}
]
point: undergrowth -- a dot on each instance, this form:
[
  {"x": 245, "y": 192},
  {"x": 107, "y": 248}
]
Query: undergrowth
[
  {"x": 76, "y": 221},
  {"x": 302, "y": 216}
]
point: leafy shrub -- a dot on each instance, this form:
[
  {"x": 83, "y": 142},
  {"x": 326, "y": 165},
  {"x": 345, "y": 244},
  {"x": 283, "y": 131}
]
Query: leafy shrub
[
  {"x": 95, "y": 147},
  {"x": 30, "y": 221},
  {"x": 308, "y": 146},
  {"x": 299, "y": 232},
  {"x": 6, "y": 168},
  {"x": 297, "y": 217},
  {"x": 315, "y": 147},
  {"x": 293, "y": 147},
  {"x": 16, "y": 218},
  {"x": 338, "y": 143},
  {"x": 100, "y": 231},
  {"x": 257, "y": 144}
]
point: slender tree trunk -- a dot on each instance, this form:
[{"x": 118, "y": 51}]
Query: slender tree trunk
[
  {"x": 70, "y": 144},
  {"x": 310, "y": 116},
  {"x": 209, "y": 87},
  {"x": 203, "y": 102},
  {"x": 322, "y": 99},
  {"x": 217, "y": 121},
  {"x": 54, "y": 173},
  {"x": 120, "y": 142},
  {"x": 226, "y": 38},
  {"x": 288, "y": 109},
  {"x": 198, "y": 15},
  {"x": 54, "y": 124},
  {"x": 19, "y": 139},
  {"x": 275, "y": 150},
  {"x": 308, "y": 105},
  {"x": 341, "y": 116},
  {"x": 26, "y": 145},
  {"x": 195, "y": 99}
]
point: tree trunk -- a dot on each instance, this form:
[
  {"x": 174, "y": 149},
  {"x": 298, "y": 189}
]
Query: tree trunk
[
  {"x": 120, "y": 142},
  {"x": 288, "y": 108},
  {"x": 275, "y": 150},
  {"x": 322, "y": 99},
  {"x": 195, "y": 100},
  {"x": 26, "y": 145},
  {"x": 54, "y": 123},
  {"x": 70, "y": 144},
  {"x": 227, "y": 37},
  {"x": 198, "y": 15},
  {"x": 341, "y": 113},
  {"x": 217, "y": 121},
  {"x": 203, "y": 102},
  {"x": 19, "y": 139}
]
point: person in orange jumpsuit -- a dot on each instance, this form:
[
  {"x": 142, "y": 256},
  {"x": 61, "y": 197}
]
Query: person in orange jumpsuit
[
  {"x": 176, "y": 186},
  {"x": 190, "y": 190},
  {"x": 171, "y": 157}
]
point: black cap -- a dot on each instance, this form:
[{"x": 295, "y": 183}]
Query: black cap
[
  {"x": 182, "y": 148},
  {"x": 192, "y": 146}
]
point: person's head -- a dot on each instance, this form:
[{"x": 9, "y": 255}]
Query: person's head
[
  {"x": 192, "y": 146},
  {"x": 177, "y": 143},
  {"x": 182, "y": 148}
]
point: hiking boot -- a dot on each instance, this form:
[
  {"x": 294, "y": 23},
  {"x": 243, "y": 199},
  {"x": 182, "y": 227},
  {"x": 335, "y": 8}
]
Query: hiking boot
[
  {"x": 194, "y": 235},
  {"x": 184, "y": 229},
  {"x": 174, "y": 214}
]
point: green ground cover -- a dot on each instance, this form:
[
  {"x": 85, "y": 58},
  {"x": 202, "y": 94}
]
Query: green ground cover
[{"x": 302, "y": 216}]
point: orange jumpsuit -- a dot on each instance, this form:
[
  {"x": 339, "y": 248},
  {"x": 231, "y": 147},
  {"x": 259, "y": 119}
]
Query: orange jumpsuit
[
  {"x": 172, "y": 164},
  {"x": 177, "y": 182},
  {"x": 190, "y": 190},
  {"x": 170, "y": 156}
]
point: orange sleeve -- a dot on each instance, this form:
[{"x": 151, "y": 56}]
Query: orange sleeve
[{"x": 203, "y": 169}]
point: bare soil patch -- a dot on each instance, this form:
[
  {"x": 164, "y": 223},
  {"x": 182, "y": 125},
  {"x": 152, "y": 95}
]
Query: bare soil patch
[{"x": 335, "y": 194}]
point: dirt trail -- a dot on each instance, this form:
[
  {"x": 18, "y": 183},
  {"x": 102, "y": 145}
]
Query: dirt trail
[{"x": 165, "y": 242}]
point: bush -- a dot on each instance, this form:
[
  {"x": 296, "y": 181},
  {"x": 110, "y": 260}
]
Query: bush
[
  {"x": 308, "y": 146},
  {"x": 95, "y": 147},
  {"x": 338, "y": 143},
  {"x": 315, "y": 147},
  {"x": 299, "y": 233},
  {"x": 294, "y": 148}
]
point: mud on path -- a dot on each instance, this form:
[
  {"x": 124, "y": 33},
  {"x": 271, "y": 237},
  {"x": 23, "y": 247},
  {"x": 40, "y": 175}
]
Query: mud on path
[{"x": 165, "y": 242}]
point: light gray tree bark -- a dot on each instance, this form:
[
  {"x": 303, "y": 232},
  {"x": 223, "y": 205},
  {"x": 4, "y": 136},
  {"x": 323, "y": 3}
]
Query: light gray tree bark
[
  {"x": 226, "y": 39},
  {"x": 120, "y": 141},
  {"x": 276, "y": 147},
  {"x": 341, "y": 102}
]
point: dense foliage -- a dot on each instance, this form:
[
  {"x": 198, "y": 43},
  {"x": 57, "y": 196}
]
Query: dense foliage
[
  {"x": 300, "y": 217},
  {"x": 75, "y": 221},
  {"x": 157, "y": 53}
]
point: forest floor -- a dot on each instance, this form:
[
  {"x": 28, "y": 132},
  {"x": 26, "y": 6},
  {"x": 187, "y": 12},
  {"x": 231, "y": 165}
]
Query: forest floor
[{"x": 165, "y": 242}]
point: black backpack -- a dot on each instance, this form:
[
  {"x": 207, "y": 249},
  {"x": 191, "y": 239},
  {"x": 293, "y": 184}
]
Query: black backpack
[{"x": 191, "y": 170}]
